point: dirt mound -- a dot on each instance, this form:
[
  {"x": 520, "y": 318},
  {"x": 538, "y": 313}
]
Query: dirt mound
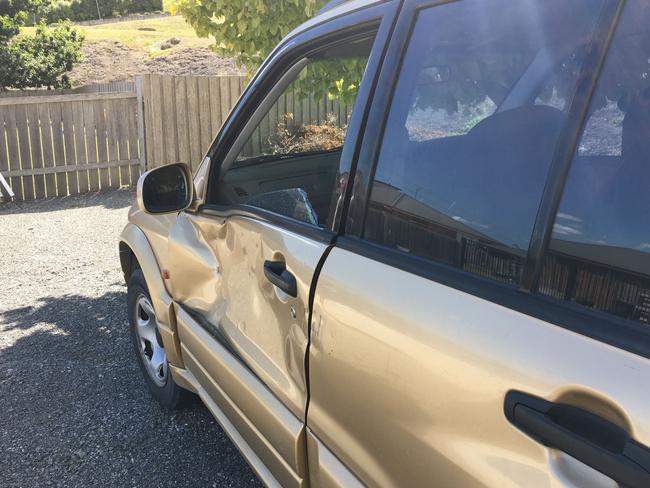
[
  {"x": 191, "y": 61},
  {"x": 108, "y": 61}
]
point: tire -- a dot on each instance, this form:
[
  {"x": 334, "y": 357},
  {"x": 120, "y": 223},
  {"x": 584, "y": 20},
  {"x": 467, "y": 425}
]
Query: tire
[{"x": 148, "y": 346}]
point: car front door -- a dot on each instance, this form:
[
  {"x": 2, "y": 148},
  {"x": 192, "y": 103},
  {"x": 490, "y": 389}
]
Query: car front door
[
  {"x": 472, "y": 328},
  {"x": 242, "y": 263}
]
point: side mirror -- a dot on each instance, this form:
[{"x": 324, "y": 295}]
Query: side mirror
[{"x": 166, "y": 189}]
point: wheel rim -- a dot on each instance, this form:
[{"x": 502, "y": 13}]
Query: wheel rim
[{"x": 149, "y": 341}]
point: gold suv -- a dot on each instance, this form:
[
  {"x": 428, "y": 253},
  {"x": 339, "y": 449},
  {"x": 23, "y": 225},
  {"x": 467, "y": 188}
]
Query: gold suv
[{"x": 418, "y": 251}]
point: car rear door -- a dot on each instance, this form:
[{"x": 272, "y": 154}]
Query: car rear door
[
  {"x": 484, "y": 319},
  {"x": 242, "y": 264}
]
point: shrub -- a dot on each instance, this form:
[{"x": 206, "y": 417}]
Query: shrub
[
  {"x": 39, "y": 60},
  {"x": 48, "y": 56}
]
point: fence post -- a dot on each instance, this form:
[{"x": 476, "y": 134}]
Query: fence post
[{"x": 141, "y": 127}]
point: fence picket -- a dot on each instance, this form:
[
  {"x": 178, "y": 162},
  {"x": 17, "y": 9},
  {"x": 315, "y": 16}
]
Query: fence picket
[
  {"x": 156, "y": 121},
  {"x": 43, "y": 113},
  {"x": 170, "y": 121},
  {"x": 102, "y": 147},
  {"x": 13, "y": 150},
  {"x": 90, "y": 136},
  {"x": 70, "y": 158},
  {"x": 24, "y": 151},
  {"x": 194, "y": 120},
  {"x": 134, "y": 129},
  {"x": 58, "y": 147},
  {"x": 182, "y": 120},
  {"x": 114, "y": 116},
  {"x": 81, "y": 154},
  {"x": 216, "y": 118},
  {"x": 4, "y": 159},
  {"x": 120, "y": 123},
  {"x": 205, "y": 118},
  {"x": 33, "y": 127}
]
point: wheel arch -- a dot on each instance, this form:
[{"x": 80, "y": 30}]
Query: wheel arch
[
  {"x": 136, "y": 253},
  {"x": 128, "y": 261}
]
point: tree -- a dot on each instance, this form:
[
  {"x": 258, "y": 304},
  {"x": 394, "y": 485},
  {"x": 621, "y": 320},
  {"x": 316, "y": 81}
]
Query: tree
[
  {"x": 246, "y": 30},
  {"x": 43, "y": 59}
]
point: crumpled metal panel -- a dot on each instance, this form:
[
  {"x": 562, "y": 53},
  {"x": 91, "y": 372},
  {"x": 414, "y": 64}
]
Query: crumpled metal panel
[{"x": 217, "y": 272}]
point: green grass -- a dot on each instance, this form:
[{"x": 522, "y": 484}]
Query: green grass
[{"x": 128, "y": 34}]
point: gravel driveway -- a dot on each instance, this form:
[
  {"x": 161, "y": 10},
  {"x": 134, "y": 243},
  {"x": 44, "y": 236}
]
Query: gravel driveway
[{"x": 74, "y": 410}]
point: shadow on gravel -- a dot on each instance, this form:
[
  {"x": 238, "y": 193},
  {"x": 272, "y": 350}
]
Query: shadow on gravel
[
  {"x": 74, "y": 409},
  {"x": 112, "y": 199}
]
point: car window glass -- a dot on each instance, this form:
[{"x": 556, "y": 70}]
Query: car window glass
[
  {"x": 289, "y": 164},
  {"x": 600, "y": 248},
  {"x": 468, "y": 139}
]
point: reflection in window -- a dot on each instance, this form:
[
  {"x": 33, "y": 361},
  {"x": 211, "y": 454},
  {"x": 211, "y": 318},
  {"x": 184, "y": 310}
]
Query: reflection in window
[
  {"x": 288, "y": 165},
  {"x": 466, "y": 147},
  {"x": 600, "y": 249}
]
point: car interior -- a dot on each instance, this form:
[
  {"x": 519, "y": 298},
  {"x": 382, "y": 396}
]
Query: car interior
[
  {"x": 489, "y": 178},
  {"x": 294, "y": 183}
]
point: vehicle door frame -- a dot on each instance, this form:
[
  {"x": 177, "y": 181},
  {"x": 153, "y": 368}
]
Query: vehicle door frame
[
  {"x": 338, "y": 25},
  {"x": 372, "y": 17},
  {"x": 608, "y": 329},
  {"x": 378, "y": 17}
]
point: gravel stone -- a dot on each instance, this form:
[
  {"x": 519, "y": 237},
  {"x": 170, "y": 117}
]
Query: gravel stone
[{"x": 74, "y": 408}]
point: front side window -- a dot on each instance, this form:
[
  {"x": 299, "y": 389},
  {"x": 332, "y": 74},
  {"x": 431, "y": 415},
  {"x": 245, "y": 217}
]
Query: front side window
[
  {"x": 289, "y": 162},
  {"x": 479, "y": 104},
  {"x": 600, "y": 248}
]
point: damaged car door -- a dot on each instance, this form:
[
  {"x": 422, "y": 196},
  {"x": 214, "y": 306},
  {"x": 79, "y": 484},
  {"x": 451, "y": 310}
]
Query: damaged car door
[{"x": 242, "y": 262}]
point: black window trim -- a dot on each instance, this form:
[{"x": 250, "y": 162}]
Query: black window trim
[
  {"x": 605, "y": 328},
  {"x": 608, "y": 329},
  {"x": 378, "y": 19},
  {"x": 304, "y": 229},
  {"x": 567, "y": 144}
]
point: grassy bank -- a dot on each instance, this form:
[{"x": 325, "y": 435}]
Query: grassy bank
[{"x": 144, "y": 35}]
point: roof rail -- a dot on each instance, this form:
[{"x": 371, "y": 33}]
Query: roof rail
[{"x": 331, "y": 4}]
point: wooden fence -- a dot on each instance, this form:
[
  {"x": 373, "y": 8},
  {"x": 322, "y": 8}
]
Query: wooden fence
[
  {"x": 65, "y": 144},
  {"x": 184, "y": 114},
  {"x": 113, "y": 87}
]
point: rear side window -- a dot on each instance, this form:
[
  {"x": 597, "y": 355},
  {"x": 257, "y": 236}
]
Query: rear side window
[
  {"x": 479, "y": 105},
  {"x": 600, "y": 249}
]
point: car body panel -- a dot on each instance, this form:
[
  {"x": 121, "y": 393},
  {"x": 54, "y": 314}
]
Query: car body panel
[
  {"x": 133, "y": 239},
  {"x": 243, "y": 339},
  {"x": 408, "y": 379},
  {"x": 325, "y": 469},
  {"x": 216, "y": 265},
  {"x": 268, "y": 427}
]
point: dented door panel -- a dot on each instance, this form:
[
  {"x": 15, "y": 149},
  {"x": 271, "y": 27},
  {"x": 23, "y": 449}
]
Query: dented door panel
[{"x": 217, "y": 266}]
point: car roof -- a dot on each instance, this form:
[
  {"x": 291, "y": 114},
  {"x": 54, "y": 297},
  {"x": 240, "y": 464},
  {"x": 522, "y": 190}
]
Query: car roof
[{"x": 330, "y": 11}]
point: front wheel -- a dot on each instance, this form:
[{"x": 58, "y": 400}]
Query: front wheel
[{"x": 148, "y": 345}]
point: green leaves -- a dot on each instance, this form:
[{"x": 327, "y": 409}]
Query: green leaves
[
  {"x": 246, "y": 30},
  {"x": 39, "y": 60},
  {"x": 48, "y": 55}
]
